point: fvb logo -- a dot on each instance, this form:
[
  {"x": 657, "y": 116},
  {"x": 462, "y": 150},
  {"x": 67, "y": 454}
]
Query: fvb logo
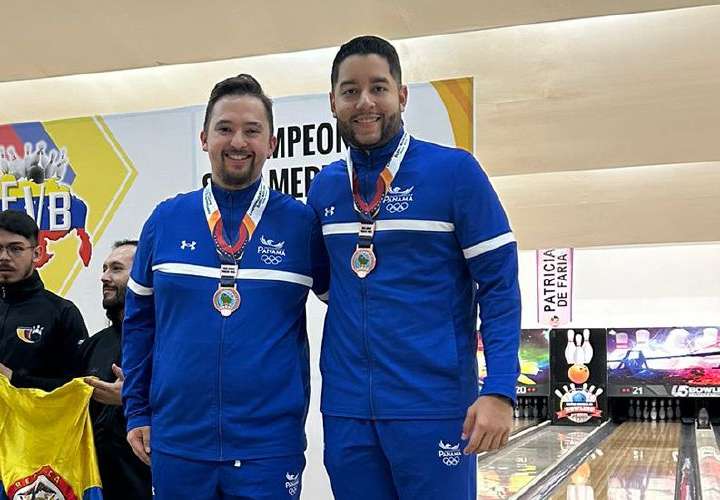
[
  {"x": 70, "y": 176},
  {"x": 43, "y": 484}
]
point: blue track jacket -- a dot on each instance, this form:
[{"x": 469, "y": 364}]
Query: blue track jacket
[
  {"x": 401, "y": 343},
  {"x": 216, "y": 388}
]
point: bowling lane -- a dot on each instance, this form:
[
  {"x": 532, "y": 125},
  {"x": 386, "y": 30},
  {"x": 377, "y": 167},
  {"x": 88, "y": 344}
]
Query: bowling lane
[
  {"x": 502, "y": 474},
  {"x": 708, "y": 463},
  {"x": 638, "y": 460},
  {"x": 520, "y": 424}
]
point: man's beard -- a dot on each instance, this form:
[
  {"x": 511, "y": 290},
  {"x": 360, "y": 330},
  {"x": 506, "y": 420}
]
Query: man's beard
[
  {"x": 115, "y": 306},
  {"x": 244, "y": 178},
  {"x": 391, "y": 126}
]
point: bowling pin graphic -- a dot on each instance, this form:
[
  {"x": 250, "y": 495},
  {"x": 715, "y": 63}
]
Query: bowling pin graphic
[
  {"x": 661, "y": 411},
  {"x": 653, "y": 411},
  {"x": 587, "y": 347},
  {"x": 570, "y": 349},
  {"x": 642, "y": 338},
  {"x": 710, "y": 337}
]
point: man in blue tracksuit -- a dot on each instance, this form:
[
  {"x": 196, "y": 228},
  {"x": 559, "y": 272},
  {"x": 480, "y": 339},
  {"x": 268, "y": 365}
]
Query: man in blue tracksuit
[
  {"x": 417, "y": 240},
  {"x": 215, "y": 349}
]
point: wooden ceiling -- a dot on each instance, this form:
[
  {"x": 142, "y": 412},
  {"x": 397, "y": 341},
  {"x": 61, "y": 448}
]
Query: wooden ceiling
[{"x": 39, "y": 39}]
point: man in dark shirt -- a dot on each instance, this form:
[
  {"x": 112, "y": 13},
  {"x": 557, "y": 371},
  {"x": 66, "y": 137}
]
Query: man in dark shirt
[
  {"x": 123, "y": 475},
  {"x": 39, "y": 331}
]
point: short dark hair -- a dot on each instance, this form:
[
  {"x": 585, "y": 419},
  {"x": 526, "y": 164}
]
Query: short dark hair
[
  {"x": 122, "y": 243},
  {"x": 366, "y": 45},
  {"x": 20, "y": 223},
  {"x": 240, "y": 85}
]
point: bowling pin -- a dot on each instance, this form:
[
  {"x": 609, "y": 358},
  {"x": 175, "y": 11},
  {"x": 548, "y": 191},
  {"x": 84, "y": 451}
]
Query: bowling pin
[
  {"x": 534, "y": 408},
  {"x": 526, "y": 408},
  {"x": 570, "y": 349},
  {"x": 703, "y": 419},
  {"x": 646, "y": 410},
  {"x": 587, "y": 347},
  {"x": 678, "y": 411},
  {"x": 579, "y": 356},
  {"x": 653, "y": 411},
  {"x": 631, "y": 409},
  {"x": 670, "y": 413},
  {"x": 661, "y": 411}
]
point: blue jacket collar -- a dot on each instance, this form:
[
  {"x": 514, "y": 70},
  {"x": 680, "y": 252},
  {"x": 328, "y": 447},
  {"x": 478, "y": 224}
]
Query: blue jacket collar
[
  {"x": 376, "y": 158},
  {"x": 232, "y": 198}
]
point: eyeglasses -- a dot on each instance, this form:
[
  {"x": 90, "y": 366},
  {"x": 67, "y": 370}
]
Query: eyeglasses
[{"x": 14, "y": 250}]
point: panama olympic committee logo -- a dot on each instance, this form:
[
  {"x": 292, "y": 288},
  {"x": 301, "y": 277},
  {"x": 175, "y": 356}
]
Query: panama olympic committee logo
[
  {"x": 398, "y": 200},
  {"x": 449, "y": 454},
  {"x": 292, "y": 483},
  {"x": 271, "y": 252}
]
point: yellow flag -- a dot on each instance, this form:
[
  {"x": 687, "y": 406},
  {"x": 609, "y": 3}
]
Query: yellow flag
[{"x": 46, "y": 443}]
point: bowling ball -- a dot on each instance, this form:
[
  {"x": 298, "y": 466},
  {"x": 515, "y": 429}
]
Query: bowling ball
[
  {"x": 578, "y": 373},
  {"x": 579, "y": 397}
]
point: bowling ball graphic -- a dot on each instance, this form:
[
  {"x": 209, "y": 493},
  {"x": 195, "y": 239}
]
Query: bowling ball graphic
[
  {"x": 579, "y": 397},
  {"x": 578, "y": 373}
]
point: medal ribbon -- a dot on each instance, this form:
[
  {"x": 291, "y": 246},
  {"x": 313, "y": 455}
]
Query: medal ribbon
[
  {"x": 230, "y": 255},
  {"x": 368, "y": 210}
]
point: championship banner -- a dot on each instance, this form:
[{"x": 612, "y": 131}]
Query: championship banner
[
  {"x": 47, "y": 449},
  {"x": 554, "y": 286}
]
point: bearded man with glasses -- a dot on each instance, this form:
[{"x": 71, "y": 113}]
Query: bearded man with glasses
[{"x": 39, "y": 331}]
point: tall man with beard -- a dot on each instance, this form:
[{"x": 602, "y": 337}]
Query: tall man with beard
[
  {"x": 417, "y": 240},
  {"x": 39, "y": 331},
  {"x": 123, "y": 474},
  {"x": 215, "y": 349}
]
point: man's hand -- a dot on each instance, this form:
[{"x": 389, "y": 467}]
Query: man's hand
[
  {"x": 4, "y": 370},
  {"x": 108, "y": 393},
  {"x": 139, "y": 439},
  {"x": 487, "y": 424}
]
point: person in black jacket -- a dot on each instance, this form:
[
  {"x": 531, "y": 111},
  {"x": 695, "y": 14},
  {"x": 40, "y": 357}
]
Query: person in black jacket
[
  {"x": 124, "y": 476},
  {"x": 39, "y": 331}
]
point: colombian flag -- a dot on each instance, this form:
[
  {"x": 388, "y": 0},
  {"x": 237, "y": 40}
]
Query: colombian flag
[{"x": 46, "y": 443}]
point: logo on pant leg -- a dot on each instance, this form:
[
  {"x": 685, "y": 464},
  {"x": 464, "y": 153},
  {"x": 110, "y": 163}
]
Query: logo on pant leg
[
  {"x": 450, "y": 454},
  {"x": 292, "y": 483}
]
